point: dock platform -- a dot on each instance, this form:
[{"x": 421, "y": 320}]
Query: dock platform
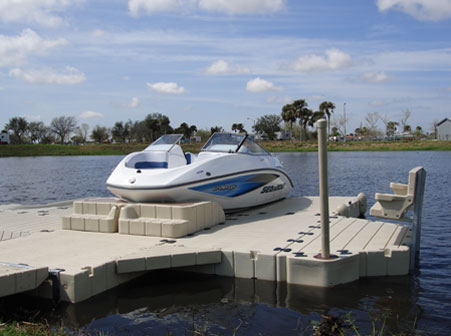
[{"x": 277, "y": 242}]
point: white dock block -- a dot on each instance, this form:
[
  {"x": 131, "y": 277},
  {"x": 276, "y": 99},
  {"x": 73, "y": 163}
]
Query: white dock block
[
  {"x": 200, "y": 216},
  {"x": 89, "y": 208},
  {"x": 209, "y": 218},
  {"x": 65, "y": 223},
  {"x": 208, "y": 257},
  {"x": 281, "y": 268},
  {"x": 183, "y": 259},
  {"x": 153, "y": 228},
  {"x": 321, "y": 273},
  {"x": 148, "y": 210},
  {"x": 108, "y": 225},
  {"x": 75, "y": 287},
  {"x": 92, "y": 224},
  {"x": 163, "y": 211},
  {"x": 77, "y": 223},
  {"x": 219, "y": 213},
  {"x": 398, "y": 263},
  {"x": 226, "y": 267},
  {"x": 99, "y": 279},
  {"x": 174, "y": 228},
  {"x": 376, "y": 263},
  {"x": 158, "y": 262},
  {"x": 25, "y": 280},
  {"x": 103, "y": 208},
  {"x": 78, "y": 207},
  {"x": 7, "y": 284},
  {"x": 124, "y": 226},
  {"x": 188, "y": 213},
  {"x": 244, "y": 264},
  {"x": 265, "y": 267},
  {"x": 137, "y": 227},
  {"x": 130, "y": 265}
]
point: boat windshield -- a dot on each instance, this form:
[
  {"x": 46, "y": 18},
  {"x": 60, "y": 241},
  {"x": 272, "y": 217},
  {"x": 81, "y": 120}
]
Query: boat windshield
[
  {"x": 233, "y": 143},
  {"x": 165, "y": 142}
]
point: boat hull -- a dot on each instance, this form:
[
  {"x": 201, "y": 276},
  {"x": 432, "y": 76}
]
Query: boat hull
[{"x": 231, "y": 191}]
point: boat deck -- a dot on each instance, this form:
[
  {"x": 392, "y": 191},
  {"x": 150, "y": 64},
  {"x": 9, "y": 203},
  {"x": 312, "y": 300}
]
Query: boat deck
[{"x": 277, "y": 242}]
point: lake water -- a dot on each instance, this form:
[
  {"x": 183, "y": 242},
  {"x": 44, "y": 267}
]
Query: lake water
[{"x": 170, "y": 302}]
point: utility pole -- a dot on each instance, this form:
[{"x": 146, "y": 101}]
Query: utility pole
[{"x": 344, "y": 112}]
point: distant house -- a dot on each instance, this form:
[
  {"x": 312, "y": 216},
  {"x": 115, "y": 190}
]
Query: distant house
[
  {"x": 444, "y": 129},
  {"x": 4, "y": 138}
]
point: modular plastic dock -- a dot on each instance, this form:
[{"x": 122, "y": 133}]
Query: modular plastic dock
[{"x": 278, "y": 242}]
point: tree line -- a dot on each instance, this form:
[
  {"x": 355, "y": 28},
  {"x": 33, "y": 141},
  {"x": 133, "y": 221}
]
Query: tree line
[{"x": 64, "y": 130}]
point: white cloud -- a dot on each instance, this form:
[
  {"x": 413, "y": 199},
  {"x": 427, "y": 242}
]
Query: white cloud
[
  {"x": 15, "y": 50},
  {"x": 32, "y": 117},
  {"x": 90, "y": 115},
  {"x": 232, "y": 7},
  {"x": 70, "y": 76},
  {"x": 163, "y": 87},
  {"x": 374, "y": 77},
  {"x": 223, "y": 67},
  {"x": 425, "y": 10},
  {"x": 335, "y": 59},
  {"x": 98, "y": 33},
  {"x": 34, "y": 11},
  {"x": 260, "y": 85},
  {"x": 241, "y": 7},
  {"x": 152, "y": 6},
  {"x": 133, "y": 103}
]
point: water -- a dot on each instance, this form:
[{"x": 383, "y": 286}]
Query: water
[{"x": 179, "y": 303}]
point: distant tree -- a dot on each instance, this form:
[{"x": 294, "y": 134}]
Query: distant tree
[
  {"x": 120, "y": 132},
  {"x": 186, "y": 130},
  {"x": 371, "y": 120},
  {"x": 315, "y": 117},
  {"x": 328, "y": 108},
  {"x": 157, "y": 124},
  {"x": 269, "y": 124},
  {"x": 216, "y": 129},
  {"x": 19, "y": 127},
  {"x": 289, "y": 116},
  {"x": 81, "y": 133},
  {"x": 38, "y": 131},
  {"x": 418, "y": 131},
  {"x": 63, "y": 127},
  {"x": 407, "y": 129},
  {"x": 390, "y": 128},
  {"x": 239, "y": 127},
  {"x": 139, "y": 132},
  {"x": 204, "y": 134},
  {"x": 100, "y": 134},
  {"x": 405, "y": 116}
]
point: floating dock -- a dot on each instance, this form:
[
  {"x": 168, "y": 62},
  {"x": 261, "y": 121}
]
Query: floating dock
[{"x": 277, "y": 242}]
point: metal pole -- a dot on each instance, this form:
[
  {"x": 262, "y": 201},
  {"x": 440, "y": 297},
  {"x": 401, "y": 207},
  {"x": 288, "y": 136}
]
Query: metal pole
[
  {"x": 323, "y": 188},
  {"x": 344, "y": 112}
]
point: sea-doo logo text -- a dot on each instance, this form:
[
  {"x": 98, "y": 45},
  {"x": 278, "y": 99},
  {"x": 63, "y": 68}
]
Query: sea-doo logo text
[
  {"x": 224, "y": 187},
  {"x": 272, "y": 188}
]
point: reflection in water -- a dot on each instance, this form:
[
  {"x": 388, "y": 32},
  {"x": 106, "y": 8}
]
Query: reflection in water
[{"x": 178, "y": 301}]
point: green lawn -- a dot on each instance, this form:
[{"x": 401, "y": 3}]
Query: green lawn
[{"x": 272, "y": 146}]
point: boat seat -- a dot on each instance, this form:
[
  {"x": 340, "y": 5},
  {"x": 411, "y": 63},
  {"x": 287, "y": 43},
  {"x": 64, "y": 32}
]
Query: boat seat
[
  {"x": 396, "y": 205},
  {"x": 188, "y": 158}
]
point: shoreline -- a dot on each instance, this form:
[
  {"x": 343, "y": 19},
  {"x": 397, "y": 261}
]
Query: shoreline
[{"x": 270, "y": 146}]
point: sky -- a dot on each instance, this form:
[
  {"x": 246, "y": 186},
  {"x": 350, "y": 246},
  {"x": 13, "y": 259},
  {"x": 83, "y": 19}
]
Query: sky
[{"x": 219, "y": 62}]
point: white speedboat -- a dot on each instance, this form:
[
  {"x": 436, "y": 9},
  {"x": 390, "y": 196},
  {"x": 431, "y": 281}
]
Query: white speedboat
[{"x": 231, "y": 170}]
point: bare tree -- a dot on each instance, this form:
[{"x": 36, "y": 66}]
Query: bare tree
[
  {"x": 82, "y": 132},
  {"x": 405, "y": 116},
  {"x": 63, "y": 126},
  {"x": 371, "y": 120},
  {"x": 339, "y": 122}
]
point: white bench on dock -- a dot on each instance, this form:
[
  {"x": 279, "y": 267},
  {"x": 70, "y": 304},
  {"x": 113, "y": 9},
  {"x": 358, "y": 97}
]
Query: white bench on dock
[{"x": 395, "y": 206}]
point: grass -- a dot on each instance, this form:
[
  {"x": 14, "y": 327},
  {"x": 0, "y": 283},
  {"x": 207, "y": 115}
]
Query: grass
[{"x": 271, "y": 146}]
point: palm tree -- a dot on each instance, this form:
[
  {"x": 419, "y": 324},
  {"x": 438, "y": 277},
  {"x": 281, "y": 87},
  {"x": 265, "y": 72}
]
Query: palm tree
[
  {"x": 289, "y": 115},
  {"x": 302, "y": 112},
  {"x": 328, "y": 108}
]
